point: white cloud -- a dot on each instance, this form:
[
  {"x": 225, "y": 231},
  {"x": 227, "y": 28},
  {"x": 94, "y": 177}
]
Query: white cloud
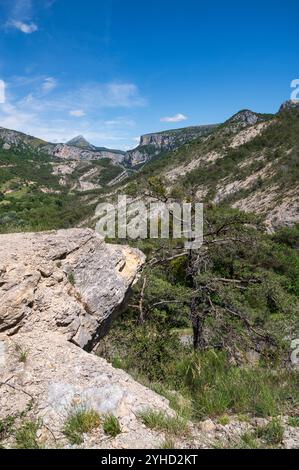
[
  {"x": 31, "y": 109},
  {"x": 123, "y": 94},
  {"x": 177, "y": 118},
  {"x": 27, "y": 28},
  {"x": 49, "y": 84},
  {"x": 105, "y": 95},
  {"x": 77, "y": 113}
]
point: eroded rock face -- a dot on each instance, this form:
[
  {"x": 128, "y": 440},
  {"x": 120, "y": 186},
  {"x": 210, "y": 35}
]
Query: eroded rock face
[
  {"x": 58, "y": 291},
  {"x": 246, "y": 117},
  {"x": 68, "y": 280},
  {"x": 153, "y": 144}
]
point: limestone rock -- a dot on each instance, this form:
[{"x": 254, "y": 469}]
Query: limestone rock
[
  {"x": 60, "y": 290},
  {"x": 68, "y": 280},
  {"x": 246, "y": 117}
]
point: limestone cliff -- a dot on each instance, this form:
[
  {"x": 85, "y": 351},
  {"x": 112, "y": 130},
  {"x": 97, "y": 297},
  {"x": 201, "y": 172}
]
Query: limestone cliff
[{"x": 152, "y": 145}]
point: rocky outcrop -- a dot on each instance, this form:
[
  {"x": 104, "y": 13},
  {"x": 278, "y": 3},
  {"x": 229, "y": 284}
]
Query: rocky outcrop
[
  {"x": 69, "y": 281},
  {"x": 152, "y": 145},
  {"x": 60, "y": 290},
  {"x": 246, "y": 117},
  {"x": 68, "y": 152},
  {"x": 288, "y": 105}
]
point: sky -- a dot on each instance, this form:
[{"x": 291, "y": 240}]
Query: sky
[{"x": 112, "y": 70}]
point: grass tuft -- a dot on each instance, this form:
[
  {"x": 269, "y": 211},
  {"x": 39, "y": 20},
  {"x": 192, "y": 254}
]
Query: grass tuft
[
  {"x": 159, "y": 420},
  {"x": 293, "y": 421},
  {"x": 224, "y": 420},
  {"x": 168, "y": 444},
  {"x": 272, "y": 433},
  {"x": 111, "y": 425},
  {"x": 79, "y": 422},
  {"x": 71, "y": 278},
  {"x": 26, "y": 436}
]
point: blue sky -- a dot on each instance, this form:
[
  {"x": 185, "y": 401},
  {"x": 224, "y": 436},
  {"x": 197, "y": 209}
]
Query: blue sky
[{"x": 115, "y": 69}]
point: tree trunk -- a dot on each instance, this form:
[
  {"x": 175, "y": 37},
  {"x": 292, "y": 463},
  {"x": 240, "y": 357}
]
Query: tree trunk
[{"x": 197, "y": 324}]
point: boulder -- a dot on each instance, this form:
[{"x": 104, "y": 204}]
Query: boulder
[{"x": 68, "y": 280}]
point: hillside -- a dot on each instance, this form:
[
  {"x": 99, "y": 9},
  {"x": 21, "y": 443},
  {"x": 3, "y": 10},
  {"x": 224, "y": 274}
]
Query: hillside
[{"x": 250, "y": 162}]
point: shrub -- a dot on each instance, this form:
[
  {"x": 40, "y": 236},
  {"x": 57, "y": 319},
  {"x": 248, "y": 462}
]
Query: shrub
[{"x": 6, "y": 426}]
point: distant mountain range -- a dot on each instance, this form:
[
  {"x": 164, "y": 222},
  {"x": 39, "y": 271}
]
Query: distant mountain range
[{"x": 78, "y": 148}]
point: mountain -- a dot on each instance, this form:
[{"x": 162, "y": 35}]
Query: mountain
[
  {"x": 78, "y": 148},
  {"x": 250, "y": 162},
  {"x": 153, "y": 145},
  {"x": 81, "y": 142},
  {"x": 18, "y": 142}
]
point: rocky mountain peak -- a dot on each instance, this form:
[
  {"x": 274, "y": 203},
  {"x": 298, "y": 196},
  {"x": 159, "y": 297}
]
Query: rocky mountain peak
[
  {"x": 290, "y": 104},
  {"x": 246, "y": 117},
  {"x": 80, "y": 141}
]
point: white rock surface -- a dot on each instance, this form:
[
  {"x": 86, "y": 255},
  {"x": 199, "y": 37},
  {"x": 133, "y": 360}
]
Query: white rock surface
[{"x": 44, "y": 318}]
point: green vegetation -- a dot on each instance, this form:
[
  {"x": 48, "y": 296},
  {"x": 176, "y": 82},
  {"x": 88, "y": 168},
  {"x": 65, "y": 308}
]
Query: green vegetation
[
  {"x": 7, "y": 427},
  {"x": 268, "y": 436},
  {"x": 173, "y": 426},
  {"x": 224, "y": 420},
  {"x": 249, "y": 293},
  {"x": 111, "y": 425},
  {"x": 23, "y": 354},
  {"x": 71, "y": 278},
  {"x": 272, "y": 433},
  {"x": 293, "y": 421},
  {"x": 247, "y": 441},
  {"x": 79, "y": 422},
  {"x": 26, "y": 436}
]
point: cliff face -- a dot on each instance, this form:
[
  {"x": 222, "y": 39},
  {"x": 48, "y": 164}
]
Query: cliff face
[
  {"x": 152, "y": 145},
  {"x": 68, "y": 152},
  {"x": 18, "y": 141}
]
